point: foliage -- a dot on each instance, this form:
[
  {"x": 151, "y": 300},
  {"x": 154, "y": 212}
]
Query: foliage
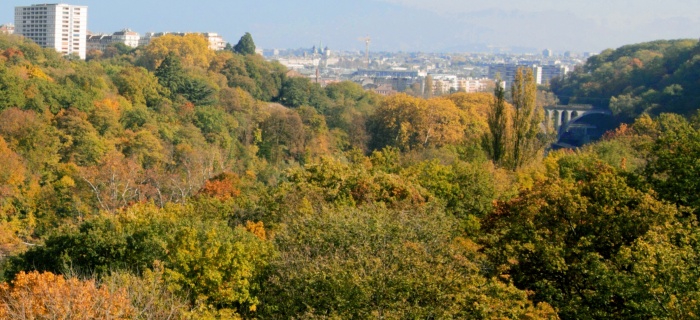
[
  {"x": 526, "y": 119},
  {"x": 375, "y": 262},
  {"x": 245, "y": 45},
  {"x": 192, "y": 49},
  {"x": 562, "y": 238},
  {"x": 37, "y": 295},
  {"x": 413, "y": 123},
  {"x": 211, "y": 185},
  {"x": 496, "y": 139}
]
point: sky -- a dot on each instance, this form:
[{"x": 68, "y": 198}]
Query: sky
[{"x": 405, "y": 25}]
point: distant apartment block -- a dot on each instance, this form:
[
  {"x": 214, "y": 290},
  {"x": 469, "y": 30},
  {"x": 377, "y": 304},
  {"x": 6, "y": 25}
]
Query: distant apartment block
[
  {"x": 444, "y": 83},
  {"x": 507, "y": 72},
  {"x": 102, "y": 41},
  {"x": 447, "y": 83},
  {"x": 59, "y": 26},
  {"x": 7, "y": 28},
  {"x": 216, "y": 41},
  {"x": 553, "y": 71},
  {"x": 473, "y": 85}
]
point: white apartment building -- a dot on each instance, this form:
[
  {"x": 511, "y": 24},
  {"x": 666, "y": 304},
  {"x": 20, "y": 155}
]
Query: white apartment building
[
  {"x": 59, "y": 26},
  {"x": 470, "y": 85}
]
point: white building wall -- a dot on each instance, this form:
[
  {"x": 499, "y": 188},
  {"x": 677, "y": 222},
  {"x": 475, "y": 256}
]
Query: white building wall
[{"x": 59, "y": 26}]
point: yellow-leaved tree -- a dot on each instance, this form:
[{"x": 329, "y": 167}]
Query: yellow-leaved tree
[{"x": 192, "y": 49}]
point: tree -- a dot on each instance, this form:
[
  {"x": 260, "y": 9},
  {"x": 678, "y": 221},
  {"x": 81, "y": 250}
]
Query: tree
[
  {"x": 192, "y": 49},
  {"x": 672, "y": 168},
  {"x": 170, "y": 73},
  {"x": 496, "y": 138},
  {"x": 11, "y": 87},
  {"x": 245, "y": 45},
  {"x": 415, "y": 123},
  {"x": 37, "y": 295},
  {"x": 526, "y": 118},
  {"x": 428, "y": 90}
]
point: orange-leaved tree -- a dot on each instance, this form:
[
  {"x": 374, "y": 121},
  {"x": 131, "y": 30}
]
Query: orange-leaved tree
[{"x": 37, "y": 295}]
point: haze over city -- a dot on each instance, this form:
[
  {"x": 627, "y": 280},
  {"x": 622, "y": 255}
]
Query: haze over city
[{"x": 406, "y": 25}]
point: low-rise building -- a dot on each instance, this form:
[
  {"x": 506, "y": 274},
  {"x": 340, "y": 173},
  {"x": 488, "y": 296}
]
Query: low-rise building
[
  {"x": 7, "y": 28},
  {"x": 385, "y": 89},
  {"x": 473, "y": 85},
  {"x": 102, "y": 41}
]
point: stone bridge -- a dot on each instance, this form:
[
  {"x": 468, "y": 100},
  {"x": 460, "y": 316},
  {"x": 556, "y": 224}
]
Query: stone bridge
[{"x": 562, "y": 115}]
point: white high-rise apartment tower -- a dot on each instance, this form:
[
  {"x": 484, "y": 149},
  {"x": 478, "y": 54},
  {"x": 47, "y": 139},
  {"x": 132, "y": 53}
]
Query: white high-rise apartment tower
[{"x": 59, "y": 26}]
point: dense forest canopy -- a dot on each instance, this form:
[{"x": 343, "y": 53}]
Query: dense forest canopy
[{"x": 171, "y": 181}]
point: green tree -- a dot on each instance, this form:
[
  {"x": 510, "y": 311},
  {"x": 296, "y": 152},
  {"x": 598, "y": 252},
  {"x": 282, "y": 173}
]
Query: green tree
[
  {"x": 170, "y": 73},
  {"x": 245, "y": 45},
  {"x": 497, "y": 137},
  {"x": 672, "y": 168},
  {"x": 11, "y": 89}
]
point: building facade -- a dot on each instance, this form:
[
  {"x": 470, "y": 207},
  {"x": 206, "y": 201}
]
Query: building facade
[
  {"x": 59, "y": 26},
  {"x": 507, "y": 72},
  {"x": 102, "y": 41}
]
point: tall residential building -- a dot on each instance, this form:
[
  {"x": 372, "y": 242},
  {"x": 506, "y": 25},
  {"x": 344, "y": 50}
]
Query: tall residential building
[
  {"x": 547, "y": 53},
  {"x": 506, "y": 72},
  {"x": 550, "y": 72},
  {"x": 59, "y": 26}
]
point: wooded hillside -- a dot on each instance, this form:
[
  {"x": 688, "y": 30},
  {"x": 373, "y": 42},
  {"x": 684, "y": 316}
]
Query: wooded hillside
[{"x": 171, "y": 181}]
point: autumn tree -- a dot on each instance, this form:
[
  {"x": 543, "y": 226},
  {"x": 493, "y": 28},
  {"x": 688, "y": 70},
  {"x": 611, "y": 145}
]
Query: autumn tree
[
  {"x": 192, "y": 49},
  {"x": 428, "y": 89},
  {"x": 527, "y": 118},
  {"x": 138, "y": 86},
  {"x": 564, "y": 238},
  {"x": 37, "y": 295},
  {"x": 414, "y": 123}
]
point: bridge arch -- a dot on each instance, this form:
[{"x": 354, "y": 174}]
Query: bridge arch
[{"x": 563, "y": 115}]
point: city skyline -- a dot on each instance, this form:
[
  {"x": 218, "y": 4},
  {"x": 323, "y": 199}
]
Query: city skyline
[{"x": 404, "y": 25}]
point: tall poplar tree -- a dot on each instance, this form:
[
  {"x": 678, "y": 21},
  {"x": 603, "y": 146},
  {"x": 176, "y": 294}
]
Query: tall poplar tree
[
  {"x": 428, "y": 87},
  {"x": 526, "y": 117},
  {"x": 496, "y": 139}
]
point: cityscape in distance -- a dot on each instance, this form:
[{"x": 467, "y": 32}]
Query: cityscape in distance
[{"x": 385, "y": 72}]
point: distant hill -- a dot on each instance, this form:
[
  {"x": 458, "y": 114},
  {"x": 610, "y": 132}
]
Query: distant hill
[{"x": 653, "y": 77}]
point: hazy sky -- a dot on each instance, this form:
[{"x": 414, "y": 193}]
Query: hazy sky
[{"x": 406, "y": 25}]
